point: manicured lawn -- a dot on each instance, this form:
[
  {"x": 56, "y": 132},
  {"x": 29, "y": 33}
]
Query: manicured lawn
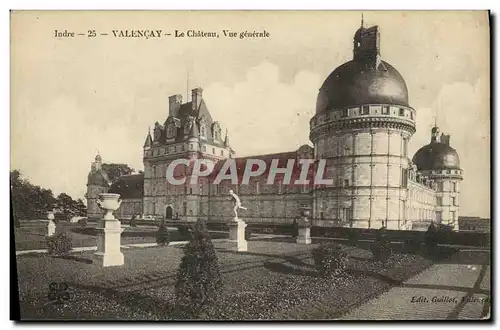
[
  {"x": 273, "y": 280},
  {"x": 32, "y": 236}
]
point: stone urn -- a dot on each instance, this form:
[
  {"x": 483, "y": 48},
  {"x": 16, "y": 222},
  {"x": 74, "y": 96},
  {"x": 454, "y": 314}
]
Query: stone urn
[
  {"x": 50, "y": 216},
  {"x": 110, "y": 203}
]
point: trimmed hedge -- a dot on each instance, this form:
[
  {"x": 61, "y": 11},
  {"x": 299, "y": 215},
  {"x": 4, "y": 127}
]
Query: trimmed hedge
[
  {"x": 82, "y": 223},
  {"x": 381, "y": 247},
  {"x": 199, "y": 282},
  {"x": 248, "y": 233},
  {"x": 59, "y": 244},
  {"x": 162, "y": 235},
  {"x": 330, "y": 259}
]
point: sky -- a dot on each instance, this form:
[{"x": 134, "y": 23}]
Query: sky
[{"x": 73, "y": 97}]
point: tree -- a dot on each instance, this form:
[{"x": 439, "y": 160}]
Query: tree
[
  {"x": 66, "y": 203},
  {"x": 29, "y": 201},
  {"x": 115, "y": 171},
  {"x": 81, "y": 209},
  {"x": 198, "y": 279}
]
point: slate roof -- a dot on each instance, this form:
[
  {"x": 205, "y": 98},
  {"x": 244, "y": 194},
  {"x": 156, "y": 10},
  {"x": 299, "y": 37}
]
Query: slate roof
[{"x": 282, "y": 158}]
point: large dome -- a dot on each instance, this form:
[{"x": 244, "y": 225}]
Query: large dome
[
  {"x": 354, "y": 84},
  {"x": 436, "y": 156}
]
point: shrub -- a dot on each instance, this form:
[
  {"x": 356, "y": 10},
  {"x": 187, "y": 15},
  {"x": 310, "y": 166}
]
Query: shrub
[
  {"x": 59, "y": 244},
  {"x": 133, "y": 221},
  {"x": 185, "y": 231},
  {"x": 162, "y": 235},
  {"x": 198, "y": 279},
  {"x": 82, "y": 223},
  {"x": 381, "y": 247},
  {"x": 295, "y": 229},
  {"x": 352, "y": 237},
  {"x": 330, "y": 259},
  {"x": 431, "y": 238},
  {"x": 248, "y": 233}
]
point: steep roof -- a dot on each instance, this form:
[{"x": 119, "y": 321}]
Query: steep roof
[
  {"x": 98, "y": 178},
  {"x": 282, "y": 157}
]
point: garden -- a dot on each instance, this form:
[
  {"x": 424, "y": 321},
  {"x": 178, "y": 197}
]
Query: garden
[{"x": 206, "y": 280}]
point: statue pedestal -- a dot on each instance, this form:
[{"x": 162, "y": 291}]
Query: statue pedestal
[
  {"x": 108, "y": 244},
  {"x": 304, "y": 235},
  {"x": 237, "y": 235},
  {"x": 51, "y": 228}
]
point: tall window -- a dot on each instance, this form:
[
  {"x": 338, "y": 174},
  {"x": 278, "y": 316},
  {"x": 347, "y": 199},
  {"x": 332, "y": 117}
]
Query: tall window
[
  {"x": 365, "y": 110},
  {"x": 153, "y": 208},
  {"x": 440, "y": 186},
  {"x": 202, "y": 130},
  {"x": 405, "y": 147},
  {"x": 454, "y": 186},
  {"x": 385, "y": 110},
  {"x": 439, "y": 201},
  {"x": 401, "y": 112},
  {"x": 184, "y": 208},
  {"x": 346, "y": 182},
  {"x": 454, "y": 201},
  {"x": 154, "y": 171}
]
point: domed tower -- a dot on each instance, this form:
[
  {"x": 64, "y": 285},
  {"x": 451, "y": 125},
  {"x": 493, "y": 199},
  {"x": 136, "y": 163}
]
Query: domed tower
[
  {"x": 439, "y": 162},
  {"x": 361, "y": 128},
  {"x": 97, "y": 183}
]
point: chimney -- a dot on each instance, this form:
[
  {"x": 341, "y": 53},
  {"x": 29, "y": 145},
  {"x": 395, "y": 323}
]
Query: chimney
[
  {"x": 196, "y": 96},
  {"x": 174, "y": 104},
  {"x": 445, "y": 139}
]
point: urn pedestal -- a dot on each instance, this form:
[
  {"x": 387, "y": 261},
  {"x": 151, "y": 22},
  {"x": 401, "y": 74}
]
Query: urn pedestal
[
  {"x": 51, "y": 227},
  {"x": 108, "y": 243},
  {"x": 237, "y": 235},
  {"x": 304, "y": 236},
  {"x": 110, "y": 230}
]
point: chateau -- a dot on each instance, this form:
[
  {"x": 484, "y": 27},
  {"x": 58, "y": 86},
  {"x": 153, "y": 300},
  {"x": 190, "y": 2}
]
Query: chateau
[{"x": 362, "y": 127}]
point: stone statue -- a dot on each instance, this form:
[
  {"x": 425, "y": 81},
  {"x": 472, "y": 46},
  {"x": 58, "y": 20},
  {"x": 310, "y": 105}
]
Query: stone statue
[{"x": 237, "y": 203}]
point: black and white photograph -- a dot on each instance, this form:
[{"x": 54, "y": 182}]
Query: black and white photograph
[{"x": 250, "y": 165}]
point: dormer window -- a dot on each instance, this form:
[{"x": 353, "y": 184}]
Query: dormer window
[
  {"x": 202, "y": 131},
  {"x": 170, "y": 131}
]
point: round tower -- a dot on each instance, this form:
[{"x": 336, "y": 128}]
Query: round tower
[
  {"x": 439, "y": 162},
  {"x": 97, "y": 183},
  {"x": 362, "y": 126}
]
